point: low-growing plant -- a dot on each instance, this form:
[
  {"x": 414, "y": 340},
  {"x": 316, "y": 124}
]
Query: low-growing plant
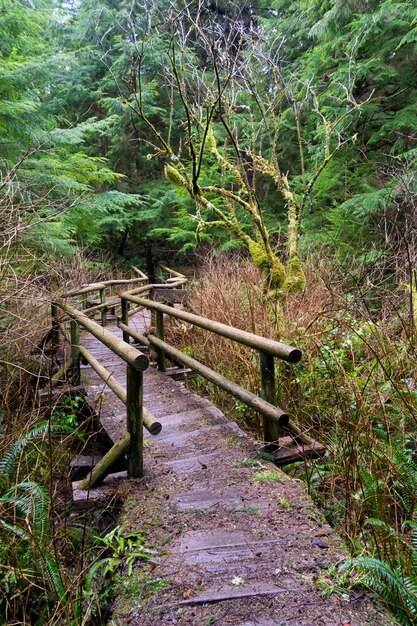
[
  {"x": 269, "y": 476},
  {"x": 127, "y": 549},
  {"x": 394, "y": 583},
  {"x": 33, "y": 582}
]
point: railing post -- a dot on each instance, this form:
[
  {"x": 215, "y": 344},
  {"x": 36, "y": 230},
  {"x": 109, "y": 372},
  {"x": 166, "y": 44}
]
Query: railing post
[
  {"x": 75, "y": 352},
  {"x": 270, "y": 427},
  {"x": 160, "y": 334},
  {"x": 83, "y": 301},
  {"x": 125, "y": 318},
  {"x": 134, "y": 408},
  {"x": 103, "y": 301}
]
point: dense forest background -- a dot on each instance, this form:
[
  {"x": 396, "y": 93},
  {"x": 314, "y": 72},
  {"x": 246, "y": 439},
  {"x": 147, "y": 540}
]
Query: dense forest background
[
  {"x": 98, "y": 98},
  {"x": 270, "y": 148}
]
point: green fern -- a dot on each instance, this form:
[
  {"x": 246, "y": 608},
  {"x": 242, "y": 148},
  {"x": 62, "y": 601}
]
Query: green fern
[
  {"x": 10, "y": 459},
  {"x": 395, "y": 587},
  {"x": 25, "y": 517}
]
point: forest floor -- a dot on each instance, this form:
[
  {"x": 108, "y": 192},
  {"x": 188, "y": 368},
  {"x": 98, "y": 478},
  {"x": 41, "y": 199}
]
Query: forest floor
[{"x": 237, "y": 541}]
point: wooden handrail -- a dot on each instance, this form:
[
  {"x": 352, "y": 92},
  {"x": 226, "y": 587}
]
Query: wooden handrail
[
  {"x": 130, "y": 355},
  {"x": 106, "y": 283},
  {"x": 249, "y": 398},
  {"x": 87, "y": 289},
  {"x": 132, "y": 396},
  {"x": 273, "y": 416},
  {"x": 274, "y": 348},
  {"x": 144, "y": 288},
  {"x": 171, "y": 271},
  {"x": 123, "y": 281}
]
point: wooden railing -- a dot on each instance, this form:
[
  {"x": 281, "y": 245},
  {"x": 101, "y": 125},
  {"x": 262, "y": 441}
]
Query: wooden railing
[
  {"x": 274, "y": 418},
  {"x": 132, "y": 394},
  {"x": 128, "y": 303}
]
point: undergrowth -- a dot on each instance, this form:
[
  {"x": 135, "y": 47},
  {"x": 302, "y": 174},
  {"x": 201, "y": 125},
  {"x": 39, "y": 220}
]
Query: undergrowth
[
  {"x": 354, "y": 390},
  {"x": 56, "y": 566}
]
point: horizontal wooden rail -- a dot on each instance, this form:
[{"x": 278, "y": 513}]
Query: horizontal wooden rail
[
  {"x": 130, "y": 355},
  {"x": 86, "y": 289},
  {"x": 261, "y": 406},
  {"x": 141, "y": 289},
  {"x": 124, "y": 281},
  {"x": 249, "y": 398},
  {"x": 147, "y": 288},
  {"x": 107, "y": 283},
  {"x": 274, "y": 348},
  {"x": 171, "y": 271},
  {"x": 138, "y": 271},
  {"x": 138, "y": 337},
  {"x": 150, "y": 423}
]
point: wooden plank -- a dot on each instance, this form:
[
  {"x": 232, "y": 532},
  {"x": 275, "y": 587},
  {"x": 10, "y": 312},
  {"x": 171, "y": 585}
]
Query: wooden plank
[
  {"x": 180, "y": 373},
  {"x": 232, "y": 593},
  {"x": 290, "y": 451},
  {"x": 205, "y": 499}
]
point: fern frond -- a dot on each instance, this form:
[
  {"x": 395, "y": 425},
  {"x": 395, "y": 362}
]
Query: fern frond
[
  {"x": 52, "y": 572},
  {"x": 15, "y": 530},
  {"x": 396, "y": 590},
  {"x": 10, "y": 459}
]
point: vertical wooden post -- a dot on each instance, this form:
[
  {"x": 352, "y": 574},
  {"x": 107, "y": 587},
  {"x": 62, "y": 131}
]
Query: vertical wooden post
[
  {"x": 83, "y": 301},
  {"x": 160, "y": 335},
  {"x": 75, "y": 352},
  {"x": 271, "y": 428},
  {"x": 125, "y": 318},
  {"x": 134, "y": 408},
  {"x": 111, "y": 294},
  {"x": 103, "y": 301}
]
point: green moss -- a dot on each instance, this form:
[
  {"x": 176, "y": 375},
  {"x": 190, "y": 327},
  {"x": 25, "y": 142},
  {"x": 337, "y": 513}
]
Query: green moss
[
  {"x": 175, "y": 177},
  {"x": 277, "y": 274},
  {"x": 272, "y": 269},
  {"x": 296, "y": 279},
  {"x": 258, "y": 255},
  {"x": 211, "y": 144}
]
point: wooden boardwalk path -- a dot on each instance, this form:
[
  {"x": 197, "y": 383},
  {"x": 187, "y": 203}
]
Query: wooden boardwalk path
[{"x": 237, "y": 541}]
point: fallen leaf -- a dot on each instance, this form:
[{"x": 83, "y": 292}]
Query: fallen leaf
[{"x": 187, "y": 594}]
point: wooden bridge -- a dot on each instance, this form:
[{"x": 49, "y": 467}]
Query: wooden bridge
[{"x": 237, "y": 542}]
